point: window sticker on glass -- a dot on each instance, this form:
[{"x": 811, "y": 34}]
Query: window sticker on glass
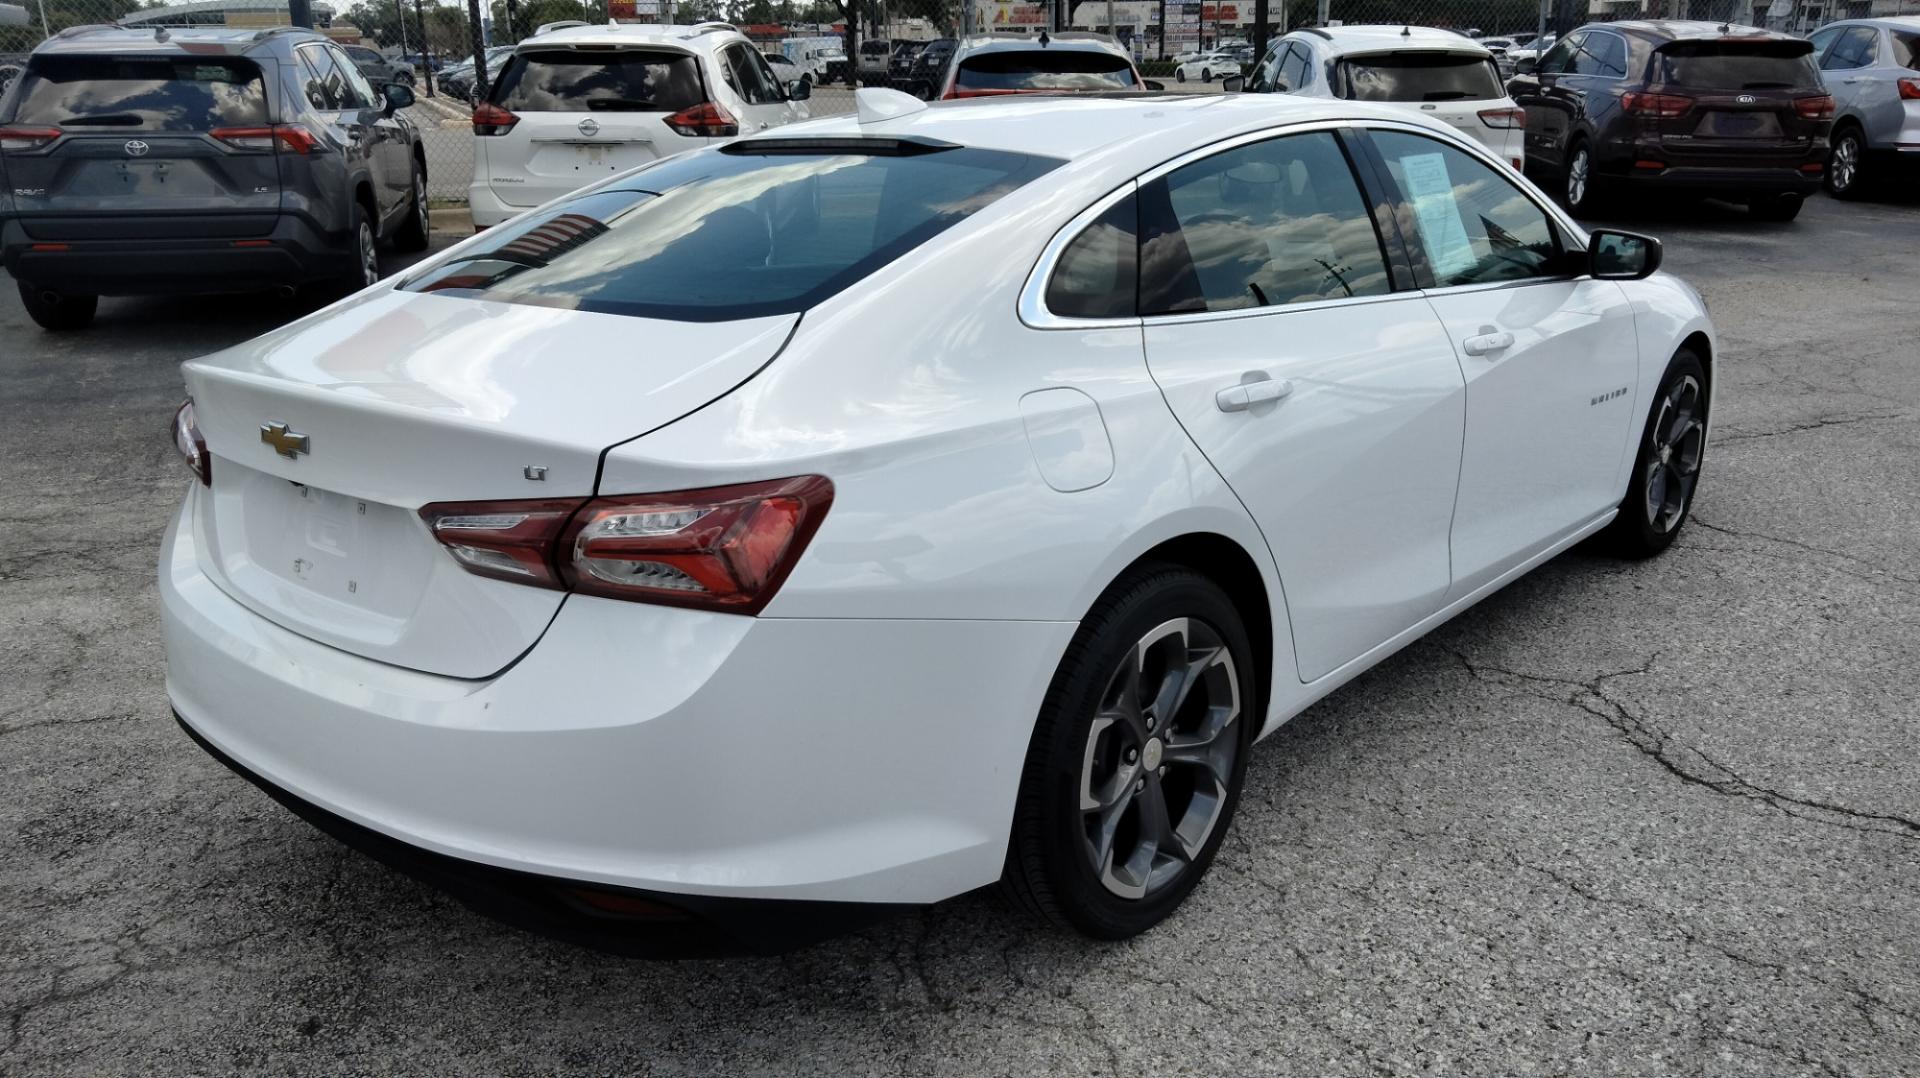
[{"x": 1442, "y": 231}]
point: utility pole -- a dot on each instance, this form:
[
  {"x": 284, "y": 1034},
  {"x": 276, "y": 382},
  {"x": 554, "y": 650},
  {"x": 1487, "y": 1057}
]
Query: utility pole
[
  {"x": 426, "y": 57},
  {"x": 1260, "y": 31},
  {"x": 300, "y": 13},
  {"x": 480, "y": 72},
  {"x": 1326, "y": 13}
]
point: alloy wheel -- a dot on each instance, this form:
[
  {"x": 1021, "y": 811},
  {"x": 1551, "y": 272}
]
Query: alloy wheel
[
  {"x": 1577, "y": 177},
  {"x": 1159, "y": 758},
  {"x": 369, "y": 254},
  {"x": 1845, "y": 166},
  {"x": 1673, "y": 460}
]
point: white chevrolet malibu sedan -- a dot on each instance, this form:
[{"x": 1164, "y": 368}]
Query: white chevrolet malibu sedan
[{"x": 855, "y": 515}]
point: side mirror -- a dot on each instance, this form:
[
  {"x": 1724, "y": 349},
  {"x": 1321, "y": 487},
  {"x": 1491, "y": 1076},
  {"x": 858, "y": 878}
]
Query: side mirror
[
  {"x": 799, "y": 90},
  {"x": 1526, "y": 65},
  {"x": 1233, "y": 84},
  {"x": 1154, "y": 84},
  {"x": 1622, "y": 256},
  {"x": 398, "y": 97}
]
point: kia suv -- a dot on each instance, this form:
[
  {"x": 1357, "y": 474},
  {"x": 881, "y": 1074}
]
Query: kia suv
[
  {"x": 997, "y": 65},
  {"x": 581, "y": 104},
  {"x": 1872, "y": 68},
  {"x": 199, "y": 160},
  {"x": 1697, "y": 107}
]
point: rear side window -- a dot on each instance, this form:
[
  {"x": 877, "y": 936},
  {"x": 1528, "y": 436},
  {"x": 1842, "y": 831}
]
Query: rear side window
[
  {"x": 1906, "y": 48},
  {"x": 154, "y": 94},
  {"x": 1743, "y": 65},
  {"x": 1098, "y": 274},
  {"x": 563, "y": 80},
  {"x": 1422, "y": 77},
  {"x": 1043, "y": 69},
  {"x": 1855, "y": 47},
  {"x": 724, "y": 234}
]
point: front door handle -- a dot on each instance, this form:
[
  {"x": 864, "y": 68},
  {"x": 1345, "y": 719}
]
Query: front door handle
[
  {"x": 1487, "y": 343},
  {"x": 1247, "y": 394}
]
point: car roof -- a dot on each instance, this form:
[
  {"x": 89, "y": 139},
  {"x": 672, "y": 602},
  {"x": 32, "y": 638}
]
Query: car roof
[
  {"x": 1693, "y": 30},
  {"x": 1154, "y": 125},
  {"x": 1888, "y": 22},
  {"x": 1355, "y": 39},
  {"x": 698, "y": 35},
  {"x": 174, "y": 40}
]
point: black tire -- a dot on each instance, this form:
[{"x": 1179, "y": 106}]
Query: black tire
[
  {"x": 362, "y": 245},
  {"x": 58, "y": 312},
  {"x": 1641, "y": 531},
  {"x": 1050, "y": 869},
  {"x": 1783, "y": 207},
  {"x": 412, "y": 233},
  {"x": 1206, "y": 74},
  {"x": 1846, "y": 165},
  {"x": 1179, "y": 75},
  {"x": 1580, "y": 188}
]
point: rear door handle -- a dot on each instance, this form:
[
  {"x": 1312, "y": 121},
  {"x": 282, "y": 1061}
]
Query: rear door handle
[
  {"x": 1247, "y": 394},
  {"x": 1482, "y": 344}
]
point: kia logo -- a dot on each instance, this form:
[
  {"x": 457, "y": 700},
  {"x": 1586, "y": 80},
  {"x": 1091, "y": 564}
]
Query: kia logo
[
  {"x": 136, "y": 148},
  {"x": 1745, "y": 99}
]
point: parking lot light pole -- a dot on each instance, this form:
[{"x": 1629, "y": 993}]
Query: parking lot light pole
[
  {"x": 426, "y": 58},
  {"x": 300, "y": 13},
  {"x": 1260, "y": 31}
]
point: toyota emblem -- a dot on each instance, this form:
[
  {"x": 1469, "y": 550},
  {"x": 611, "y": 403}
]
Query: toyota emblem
[
  {"x": 589, "y": 128},
  {"x": 136, "y": 148}
]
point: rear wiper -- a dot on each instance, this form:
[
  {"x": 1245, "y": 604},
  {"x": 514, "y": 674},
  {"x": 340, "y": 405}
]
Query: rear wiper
[
  {"x": 1445, "y": 95},
  {"x": 622, "y": 104},
  {"x": 1767, "y": 86},
  {"x": 112, "y": 119}
]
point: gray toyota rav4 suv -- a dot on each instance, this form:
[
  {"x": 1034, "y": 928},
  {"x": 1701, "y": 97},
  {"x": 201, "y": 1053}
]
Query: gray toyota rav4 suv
[{"x": 199, "y": 160}]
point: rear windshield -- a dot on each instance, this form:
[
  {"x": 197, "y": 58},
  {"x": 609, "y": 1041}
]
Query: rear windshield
[
  {"x": 1906, "y": 49},
  {"x": 1754, "y": 65},
  {"x": 716, "y": 235},
  {"x": 1423, "y": 76},
  {"x": 154, "y": 94},
  {"x": 563, "y": 80},
  {"x": 1040, "y": 69}
]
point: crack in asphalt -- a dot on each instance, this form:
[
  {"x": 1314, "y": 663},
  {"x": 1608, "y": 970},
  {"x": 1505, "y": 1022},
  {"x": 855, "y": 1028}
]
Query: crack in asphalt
[
  {"x": 1735, "y": 435},
  {"x": 1798, "y": 544}
]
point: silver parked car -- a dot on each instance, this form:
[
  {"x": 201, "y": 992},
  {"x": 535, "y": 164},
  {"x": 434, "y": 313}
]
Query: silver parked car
[{"x": 1872, "y": 69}]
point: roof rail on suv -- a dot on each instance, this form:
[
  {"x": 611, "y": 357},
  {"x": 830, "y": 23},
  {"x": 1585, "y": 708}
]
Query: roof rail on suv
[
  {"x": 273, "y": 30},
  {"x": 563, "y": 24},
  {"x": 89, "y": 28},
  {"x": 712, "y": 28},
  {"x": 1317, "y": 30}
]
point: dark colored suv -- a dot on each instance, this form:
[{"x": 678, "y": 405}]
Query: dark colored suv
[
  {"x": 1712, "y": 109},
  {"x": 216, "y": 160}
]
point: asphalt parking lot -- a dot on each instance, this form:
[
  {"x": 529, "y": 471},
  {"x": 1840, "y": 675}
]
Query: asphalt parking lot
[{"x": 1621, "y": 819}]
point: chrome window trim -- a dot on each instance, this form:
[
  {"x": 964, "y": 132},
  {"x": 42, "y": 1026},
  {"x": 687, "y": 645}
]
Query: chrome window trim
[{"x": 1032, "y": 304}]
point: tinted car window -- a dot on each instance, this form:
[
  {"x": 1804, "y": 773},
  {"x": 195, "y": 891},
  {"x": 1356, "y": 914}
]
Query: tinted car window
[
  {"x": 1042, "y": 69},
  {"x": 1559, "y": 59},
  {"x": 629, "y": 80},
  {"x": 184, "y": 94},
  {"x": 1854, "y": 48},
  {"x": 752, "y": 79},
  {"x": 1274, "y": 222},
  {"x": 1098, "y": 273},
  {"x": 1473, "y": 225},
  {"x": 1744, "y": 65},
  {"x": 725, "y": 234},
  {"x": 1293, "y": 72},
  {"x": 327, "y": 85},
  {"x": 1422, "y": 77},
  {"x": 363, "y": 55},
  {"x": 1601, "y": 54},
  {"x": 359, "y": 90},
  {"x": 1906, "y": 48}
]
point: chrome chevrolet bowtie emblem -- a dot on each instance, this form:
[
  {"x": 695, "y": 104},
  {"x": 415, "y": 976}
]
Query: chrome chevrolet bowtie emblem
[
  {"x": 589, "y": 128},
  {"x": 284, "y": 442},
  {"x": 136, "y": 148}
]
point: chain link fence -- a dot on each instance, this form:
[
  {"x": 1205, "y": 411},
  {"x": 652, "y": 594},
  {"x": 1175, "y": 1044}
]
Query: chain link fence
[{"x": 841, "y": 43}]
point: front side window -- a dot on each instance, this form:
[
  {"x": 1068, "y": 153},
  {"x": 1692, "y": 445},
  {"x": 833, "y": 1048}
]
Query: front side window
[
  {"x": 1854, "y": 48},
  {"x": 1423, "y": 76},
  {"x": 1473, "y": 225},
  {"x": 751, "y": 79},
  {"x": 1271, "y": 223},
  {"x": 359, "y": 92},
  {"x": 1098, "y": 273},
  {"x": 1041, "y": 70},
  {"x": 158, "y": 94},
  {"x": 629, "y": 80},
  {"x": 755, "y": 229},
  {"x": 1559, "y": 59}
]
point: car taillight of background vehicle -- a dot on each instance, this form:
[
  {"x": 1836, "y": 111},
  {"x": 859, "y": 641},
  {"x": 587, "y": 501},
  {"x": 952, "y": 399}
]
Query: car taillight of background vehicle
[
  {"x": 1662, "y": 106},
  {"x": 722, "y": 548},
  {"x": 295, "y": 138},
  {"x": 192, "y": 447},
  {"x": 705, "y": 120},
  {"x": 491, "y": 119},
  {"x": 26, "y": 138},
  {"x": 1910, "y": 89},
  {"x": 1504, "y": 119},
  {"x": 1819, "y": 107}
]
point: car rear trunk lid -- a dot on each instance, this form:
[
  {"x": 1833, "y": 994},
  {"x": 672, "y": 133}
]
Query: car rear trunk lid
[
  {"x": 1743, "y": 94},
  {"x": 329, "y": 435}
]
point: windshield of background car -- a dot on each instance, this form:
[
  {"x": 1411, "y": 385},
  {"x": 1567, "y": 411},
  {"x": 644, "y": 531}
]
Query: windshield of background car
[
  {"x": 630, "y": 80},
  {"x": 1043, "y": 69},
  {"x": 1738, "y": 65},
  {"x": 152, "y": 93},
  {"x": 1423, "y": 76},
  {"x": 718, "y": 235}
]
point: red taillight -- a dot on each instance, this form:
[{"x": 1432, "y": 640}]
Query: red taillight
[
  {"x": 192, "y": 447},
  {"x": 1819, "y": 107},
  {"x": 504, "y": 540},
  {"x": 723, "y": 548},
  {"x": 1909, "y": 89},
  {"x": 292, "y": 137},
  {"x": 1507, "y": 119},
  {"x": 705, "y": 120},
  {"x": 27, "y": 138},
  {"x": 490, "y": 119},
  {"x": 1661, "y": 106}
]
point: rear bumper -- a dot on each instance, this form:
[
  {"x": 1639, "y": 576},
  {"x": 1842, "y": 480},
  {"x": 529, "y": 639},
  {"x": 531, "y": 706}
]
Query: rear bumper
[
  {"x": 669, "y": 753},
  {"x": 1726, "y": 179},
  {"x": 294, "y": 252},
  {"x": 487, "y": 208}
]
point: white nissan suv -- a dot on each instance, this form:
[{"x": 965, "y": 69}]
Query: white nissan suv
[
  {"x": 580, "y": 104},
  {"x": 1438, "y": 73}
]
